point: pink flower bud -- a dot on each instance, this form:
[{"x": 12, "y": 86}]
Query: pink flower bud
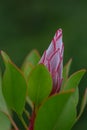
[{"x": 53, "y": 60}]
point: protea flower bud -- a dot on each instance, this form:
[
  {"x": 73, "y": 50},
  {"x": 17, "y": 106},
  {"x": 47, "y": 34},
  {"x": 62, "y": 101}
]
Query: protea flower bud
[{"x": 53, "y": 60}]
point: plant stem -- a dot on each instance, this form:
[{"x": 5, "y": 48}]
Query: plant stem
[
  {"x": 30, "y": 103},
  {"x": 27, "y": 113},
  {"x": 13, "y": 123},
  {"x": 23, "y": 122}
]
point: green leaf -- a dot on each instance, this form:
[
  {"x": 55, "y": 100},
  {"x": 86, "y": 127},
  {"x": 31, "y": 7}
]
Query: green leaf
[
  {"x": 39, "y": 84},
  {"x": 30, "y": 61},
  {"x": 56, "y": 113},
  {"x": 33, "y": 58},
  {"x": 14, "y": 86},
  {"x": 4, "y": 122},
  {"x": 66, "y": 72},
  {"x": 75, "y": 96},
  {"x": 3, "y": 107},
  {"x": 83, "y": 104},
  {"x": 27, "y": 69},
  {"x": 74, "y": 80}
]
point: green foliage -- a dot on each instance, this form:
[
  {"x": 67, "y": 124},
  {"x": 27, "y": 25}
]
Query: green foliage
[
  {"x": 83, "y": 104},
  {"x": 56, "y": 113},
  {"x": 4, "y": 122},
  {"x": 14, "y": 86},
  {"x": 30, "y": 61},
  {"x": 33, "y": 84},
  {"x": 39, "y": 84},
  {"x": 74, "y": 80},
  {"x": 27, "y": 69},
  {"x": 3, "y": 107},
  {"x": 33, "y": 57},
  {"x": 66, "y": 72},
  {"x": 75, "y": 96}
]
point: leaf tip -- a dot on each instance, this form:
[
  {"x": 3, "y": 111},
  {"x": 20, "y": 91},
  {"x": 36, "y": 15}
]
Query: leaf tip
[{"x": 5, "y": 57}]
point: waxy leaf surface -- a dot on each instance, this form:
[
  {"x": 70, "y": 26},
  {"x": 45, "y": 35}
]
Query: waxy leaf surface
[
  {"x": 30, "y": 61},
  {"x": 66, "y": 72},
  {"x": 14, "y": 86},
  {"x": 73, "y": 82},
  {"x": 39, "y": 84},
  {"x": 4, "y": 122},
  {"x": 56, "y": 113},
  {"x": 3, "y": 107}
]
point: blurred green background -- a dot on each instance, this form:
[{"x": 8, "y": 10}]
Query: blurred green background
[{"x": 29, "y": 24}]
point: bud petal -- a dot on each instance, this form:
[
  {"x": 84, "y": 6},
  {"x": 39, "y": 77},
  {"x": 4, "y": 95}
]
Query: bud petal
[{"x": 53, "y": 60}]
